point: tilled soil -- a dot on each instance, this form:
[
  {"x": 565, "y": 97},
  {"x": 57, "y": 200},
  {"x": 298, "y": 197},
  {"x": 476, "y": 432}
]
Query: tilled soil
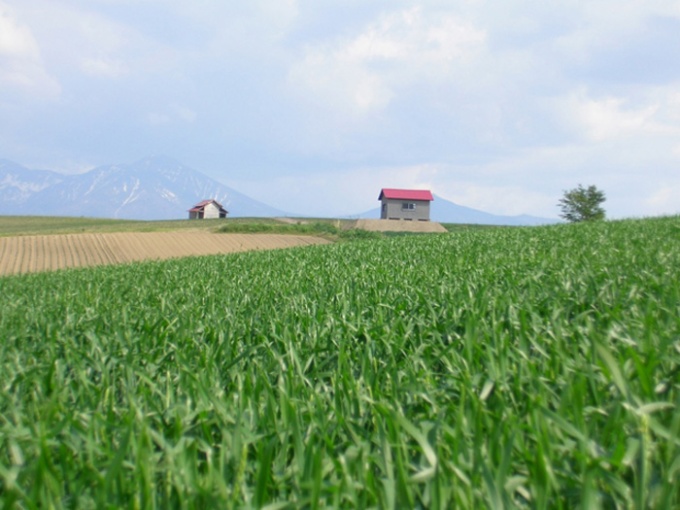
[
  {"x": 400, "y": 226},
  {"x": 26, "y": 254}
]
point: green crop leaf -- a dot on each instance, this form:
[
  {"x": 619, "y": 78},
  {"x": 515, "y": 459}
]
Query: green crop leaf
[{"x": 484, "y": 368}]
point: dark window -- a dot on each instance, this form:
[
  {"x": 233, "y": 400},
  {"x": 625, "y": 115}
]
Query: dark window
[{"x": 408, "y": 206}]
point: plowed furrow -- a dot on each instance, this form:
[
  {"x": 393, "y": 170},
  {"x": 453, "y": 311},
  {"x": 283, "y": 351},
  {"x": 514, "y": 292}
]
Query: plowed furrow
[{"x": 41, "y": 253}]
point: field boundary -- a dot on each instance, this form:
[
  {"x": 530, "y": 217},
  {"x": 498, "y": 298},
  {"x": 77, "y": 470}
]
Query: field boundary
[{"x": 400, "y": 226}]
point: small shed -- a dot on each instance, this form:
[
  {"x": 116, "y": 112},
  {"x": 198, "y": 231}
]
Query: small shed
[
  {"x": 207, "y": 209},
  {"x": 405, "y": 204}
]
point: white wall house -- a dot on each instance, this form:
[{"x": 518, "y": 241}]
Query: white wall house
[
  {"x": 405, "y": 204},
  {"x": 207, "y": 209}
]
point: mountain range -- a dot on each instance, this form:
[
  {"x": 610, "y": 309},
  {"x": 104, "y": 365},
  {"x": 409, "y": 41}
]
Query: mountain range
[
  {"x": 158, "y": 188},
  {"x": 154, "y": 188}
]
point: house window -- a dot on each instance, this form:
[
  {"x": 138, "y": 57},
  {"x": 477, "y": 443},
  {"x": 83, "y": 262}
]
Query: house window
[{"x": 408, "y": 206}]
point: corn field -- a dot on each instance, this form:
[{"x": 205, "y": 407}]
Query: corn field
[{"x": 495, "y": 368}]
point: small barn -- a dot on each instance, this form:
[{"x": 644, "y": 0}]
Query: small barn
[
  {"x": 207, "y": 209},
  {"x": 405, "y": 204}
]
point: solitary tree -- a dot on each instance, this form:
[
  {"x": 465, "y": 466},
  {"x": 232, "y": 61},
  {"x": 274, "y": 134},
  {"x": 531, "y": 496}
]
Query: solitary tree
[{"x": 582, "y": 204}]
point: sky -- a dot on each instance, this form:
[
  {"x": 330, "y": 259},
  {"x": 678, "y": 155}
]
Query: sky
[{"x": 313, "y": 106}]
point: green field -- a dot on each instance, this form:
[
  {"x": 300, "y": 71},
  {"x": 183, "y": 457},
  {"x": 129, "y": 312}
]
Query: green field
[
  {"x": 485, "y": 368},
  {"x": 45, "y": 225},
  {"x": 331, "y": 228}
]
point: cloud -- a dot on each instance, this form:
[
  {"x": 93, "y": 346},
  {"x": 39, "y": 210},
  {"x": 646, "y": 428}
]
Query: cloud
[
  {"x": 608, "y": 118},
  {"x": 510, "y": 199},
  {"x": 497, "y": 105},
  {"x": 105, "y": 67},
  {"x": 663, "y": 200},
  {"x": 21, "y": 64},
  {"x": 363, "y": 73},
  {"x": 643, "y": 124},
  {"x": 89, "y": 41},
  {"x": 16, "y": 39}
]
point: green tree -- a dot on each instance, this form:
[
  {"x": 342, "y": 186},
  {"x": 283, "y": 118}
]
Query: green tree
[{"x": 582, "y": 204}]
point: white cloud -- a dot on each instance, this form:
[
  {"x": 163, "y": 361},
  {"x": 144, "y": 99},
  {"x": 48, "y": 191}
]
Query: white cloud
[
  {"x": 607, "y": 118},
  {"x": 496, "y": 105},
  {"x": 508, "y": 200},
  {"x": 362, "y": 74},
  {"x": 21, "y": 65},
  {"x": 104, "y": 67},
  {"x": 80, "y": 41},
  {"x": 16, "y": 39},
  {"x": 669, "y": 98},
  {"x": 663, "y": 200},
  {"x": 410, "y": 36},
  {"x": 614, "y": 117}
]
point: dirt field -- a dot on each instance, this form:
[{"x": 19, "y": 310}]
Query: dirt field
[
  {"x": 400, "y": 226},
  {"x": 49, "y": 252}
]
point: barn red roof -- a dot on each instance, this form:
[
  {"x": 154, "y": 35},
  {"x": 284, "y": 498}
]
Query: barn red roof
[{"x": 406, "y": 194}]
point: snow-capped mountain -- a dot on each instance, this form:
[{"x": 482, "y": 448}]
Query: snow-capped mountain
[
  {"x": 153, "y": 188},
  {"x": 18, "y": 184},
  {"x": 157, "y": 188}
]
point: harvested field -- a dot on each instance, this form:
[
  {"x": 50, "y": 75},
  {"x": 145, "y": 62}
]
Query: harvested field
[
  {"x": 50, "y": 252},
  {"x": 400, "y": 226}
]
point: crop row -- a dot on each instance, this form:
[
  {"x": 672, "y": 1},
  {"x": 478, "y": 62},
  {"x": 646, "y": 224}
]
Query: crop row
[{"x": 500, "y": 368}]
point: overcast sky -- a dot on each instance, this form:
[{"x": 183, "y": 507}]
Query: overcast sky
[{"x": 312, "y": 106}]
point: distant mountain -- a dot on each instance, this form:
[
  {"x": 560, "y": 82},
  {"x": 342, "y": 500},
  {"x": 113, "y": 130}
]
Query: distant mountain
[
  {"x": 18, "y": 184},
  {"x": 445, "y": 211},
  {"x": 159, "y": 188},
  {"x": 153, "y": 188}
]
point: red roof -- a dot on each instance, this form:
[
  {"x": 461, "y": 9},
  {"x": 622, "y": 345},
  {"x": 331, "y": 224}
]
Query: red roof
[
  {"x": 406, "y": 194},
  {"x": 201, "y": 205}
]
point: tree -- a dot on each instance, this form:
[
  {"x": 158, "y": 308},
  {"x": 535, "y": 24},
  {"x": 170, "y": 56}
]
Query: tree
[{"x": 582, "y": 204}]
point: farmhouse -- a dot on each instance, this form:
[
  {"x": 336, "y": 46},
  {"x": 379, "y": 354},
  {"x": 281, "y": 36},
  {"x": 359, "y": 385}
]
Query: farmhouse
[
  {"x": 206, "y": 209},
  {"x": 405, "y": 204}
]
